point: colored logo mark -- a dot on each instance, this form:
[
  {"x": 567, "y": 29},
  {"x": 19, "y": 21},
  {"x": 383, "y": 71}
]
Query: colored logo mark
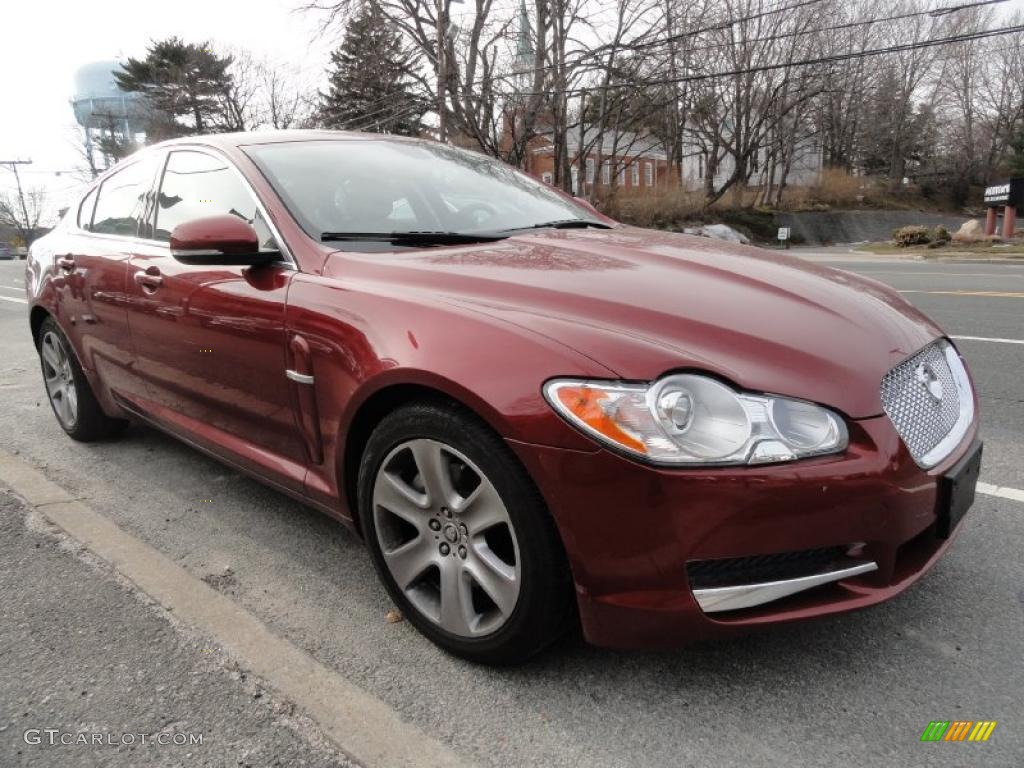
[{"x": 958, "y": 730}]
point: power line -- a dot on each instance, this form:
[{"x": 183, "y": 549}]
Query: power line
[
  {"x": 935, "y": 12},
  {"x": 716, "y": 27},
  {"x": 365, "y": 120},
  {"x": 800, "y": 62}
]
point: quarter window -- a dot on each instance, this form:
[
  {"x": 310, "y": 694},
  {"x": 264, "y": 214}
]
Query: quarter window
[
  {"x": 85, "y": 209},
  {"x": 196, "y": 185},
  {"x": 121, "y": 205}
]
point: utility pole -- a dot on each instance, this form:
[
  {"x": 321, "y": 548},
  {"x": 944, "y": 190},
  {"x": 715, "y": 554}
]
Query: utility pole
[
  {"x": 581, "y": 155},
  {"x": 28, "y": 231}
]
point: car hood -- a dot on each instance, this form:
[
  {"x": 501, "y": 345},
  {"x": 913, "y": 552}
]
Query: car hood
[{"x": 641, "y": 303}]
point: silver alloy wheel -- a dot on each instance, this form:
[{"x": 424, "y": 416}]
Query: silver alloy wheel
[
  {"x": 60, "y": 380},
  {"x": 446, "y": 537}
]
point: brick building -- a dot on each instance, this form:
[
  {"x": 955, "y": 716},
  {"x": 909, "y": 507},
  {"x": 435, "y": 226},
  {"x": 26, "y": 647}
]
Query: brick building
[{"x": 632, "y": 163}]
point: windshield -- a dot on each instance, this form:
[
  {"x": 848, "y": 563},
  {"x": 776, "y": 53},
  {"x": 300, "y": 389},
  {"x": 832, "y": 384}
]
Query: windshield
[{"x": 367, "y": 187}]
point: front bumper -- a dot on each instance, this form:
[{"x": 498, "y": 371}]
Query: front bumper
[{"x": 630, "y": 530}]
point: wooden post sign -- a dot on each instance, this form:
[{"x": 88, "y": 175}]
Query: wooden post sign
[{"x": 1008, "y": 195}]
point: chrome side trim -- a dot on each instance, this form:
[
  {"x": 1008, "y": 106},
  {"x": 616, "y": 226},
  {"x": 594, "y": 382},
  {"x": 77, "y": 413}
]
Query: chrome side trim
[
  {"x": 715, "y": 599},
  {"x": 301, "y": 378},
  {"x": 205, "y": 252}
]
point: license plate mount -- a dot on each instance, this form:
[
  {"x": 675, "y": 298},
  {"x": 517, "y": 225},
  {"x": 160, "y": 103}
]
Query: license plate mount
[{"x": 956, "y": 491}]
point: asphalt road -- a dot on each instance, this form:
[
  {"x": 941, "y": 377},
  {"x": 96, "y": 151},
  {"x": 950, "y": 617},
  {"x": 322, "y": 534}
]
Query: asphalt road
[{"x": 856, "y": 689}]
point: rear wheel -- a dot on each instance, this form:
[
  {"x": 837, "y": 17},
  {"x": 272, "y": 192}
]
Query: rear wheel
[
  {"x": 68, "y": 390},
  {"x": 461, "y": 537}
]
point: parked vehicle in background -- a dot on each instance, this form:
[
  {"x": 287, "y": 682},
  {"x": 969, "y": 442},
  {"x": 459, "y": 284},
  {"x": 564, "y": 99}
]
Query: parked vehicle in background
[
  {"x": 6, "y": 251},
  {"x": 532, "y": 414}
]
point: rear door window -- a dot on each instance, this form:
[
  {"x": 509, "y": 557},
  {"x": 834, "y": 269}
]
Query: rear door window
[{"x": 121, "y": 206}]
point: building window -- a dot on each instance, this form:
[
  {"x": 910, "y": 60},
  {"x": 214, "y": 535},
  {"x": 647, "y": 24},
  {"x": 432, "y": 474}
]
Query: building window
[
  {"x": 576, "y": 180},
  {"x": 622, "y": 175},
  {"x": 635, "y": 175},
  {"x": 649, "y": 174},
  {"x": 590, "y": 170},
  {"x": 546, "y": 177},
  {"x": 606, "y": 173},
  {"x": 700, "y": 166}
]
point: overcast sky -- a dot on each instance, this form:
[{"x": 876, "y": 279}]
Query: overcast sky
[{"x": 45, "y": 41}]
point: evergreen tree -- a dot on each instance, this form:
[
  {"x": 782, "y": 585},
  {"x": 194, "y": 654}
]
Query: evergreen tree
[
  {"x": 1016, "y": 158},
  {"x": 370, "y": 84},
  {"x": 184, "y": 84}
]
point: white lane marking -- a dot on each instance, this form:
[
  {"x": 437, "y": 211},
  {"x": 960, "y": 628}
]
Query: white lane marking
[
  {"x": 13, "y": 288},
  {"x": 11, "y": 298},
  {"x": 982, "y": 294},
  {"x": 939, "y": 274},
  {"x": 985, "y": 338},
  {"x": 1013, "y": 494}
]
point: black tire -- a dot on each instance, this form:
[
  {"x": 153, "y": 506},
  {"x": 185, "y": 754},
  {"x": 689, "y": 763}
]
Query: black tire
[
  {"x": 545, "y": 608},
  {"x": 89, "y": 423}
]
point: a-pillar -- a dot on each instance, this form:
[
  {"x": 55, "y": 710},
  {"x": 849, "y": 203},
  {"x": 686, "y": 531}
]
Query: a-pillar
[
  {"x": 990, "y": 221},
  {"x": 1009, "y": 221}
]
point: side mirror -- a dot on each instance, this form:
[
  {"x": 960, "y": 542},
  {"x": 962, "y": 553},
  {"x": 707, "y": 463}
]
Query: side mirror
[{"x": 222, "y": 240}]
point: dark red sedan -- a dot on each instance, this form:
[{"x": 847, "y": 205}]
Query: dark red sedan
[{"x": 532, "y": 414}]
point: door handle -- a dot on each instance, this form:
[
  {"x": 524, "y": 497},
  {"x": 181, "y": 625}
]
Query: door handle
[
  {"x": 150, "y": 279},
  {"x": 67, "y": 263}
]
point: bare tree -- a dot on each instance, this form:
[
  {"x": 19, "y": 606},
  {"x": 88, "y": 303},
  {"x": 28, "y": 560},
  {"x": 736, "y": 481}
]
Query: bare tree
[
  {"x": 23, "y": 212},
  {"x": 284, "y": 101}
]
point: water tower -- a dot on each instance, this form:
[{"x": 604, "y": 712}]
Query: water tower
[{"x": 101, "y": 107}]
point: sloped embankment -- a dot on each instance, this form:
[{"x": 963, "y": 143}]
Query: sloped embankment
[{"x": 819, "y": 227}]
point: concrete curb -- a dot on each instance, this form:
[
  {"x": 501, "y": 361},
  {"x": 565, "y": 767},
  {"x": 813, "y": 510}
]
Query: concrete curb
[{"x": 364, "y": 727}]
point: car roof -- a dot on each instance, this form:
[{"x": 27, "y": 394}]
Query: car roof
[{"x": 248, "y": 138}]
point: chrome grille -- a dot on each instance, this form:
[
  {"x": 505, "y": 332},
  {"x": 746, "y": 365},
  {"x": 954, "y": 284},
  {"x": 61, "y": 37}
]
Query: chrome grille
[{"x": 929, "y": 400}]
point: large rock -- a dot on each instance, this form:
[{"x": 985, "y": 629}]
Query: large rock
[
  {"x": 718, "y": 232},
  {"x": 970, "y": 227}
]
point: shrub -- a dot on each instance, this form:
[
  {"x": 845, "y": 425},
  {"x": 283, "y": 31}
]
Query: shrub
[
  {"x": 941, "y": 235},
  {"x": 912, "y": 235},
  {"x": 837, "y": 187},
  {"x": 668, "y": 209},
  {"x": 959, "y": 192},
  {"x": 755, "y": 224}
]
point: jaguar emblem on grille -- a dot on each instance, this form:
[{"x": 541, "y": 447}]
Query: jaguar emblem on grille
[{"x": 925, "y": 375}]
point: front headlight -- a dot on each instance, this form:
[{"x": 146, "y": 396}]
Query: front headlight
[{"x": 687, "y": 419}]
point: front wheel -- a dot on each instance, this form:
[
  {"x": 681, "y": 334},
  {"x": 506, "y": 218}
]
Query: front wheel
[{"x": 461, "y": 537}]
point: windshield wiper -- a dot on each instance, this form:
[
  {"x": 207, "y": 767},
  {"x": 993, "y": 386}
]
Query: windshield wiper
[
  {"x": 425, "y": 237},
  {"x": 563, "y": 224}
]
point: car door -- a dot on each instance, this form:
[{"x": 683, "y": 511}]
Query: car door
[
  {"x": 90, "y": 273},
  {"x": 210, "y": 340}
]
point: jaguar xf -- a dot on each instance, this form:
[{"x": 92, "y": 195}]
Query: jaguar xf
[{"x": 536, "y": 417}]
